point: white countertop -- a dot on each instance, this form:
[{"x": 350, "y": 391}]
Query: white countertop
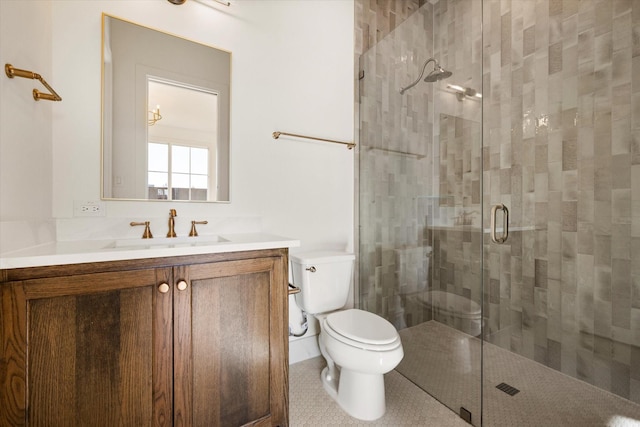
[{"x": 76, "y": 252}]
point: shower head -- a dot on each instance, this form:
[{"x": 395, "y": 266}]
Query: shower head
[{"x": 438, "y": 73}]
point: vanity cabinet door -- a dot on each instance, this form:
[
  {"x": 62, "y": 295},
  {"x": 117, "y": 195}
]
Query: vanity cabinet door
[
  {"x": 193, "y": 341},
  {"x": 230, "y": 354},
  {"x": 87, "y": 350}
]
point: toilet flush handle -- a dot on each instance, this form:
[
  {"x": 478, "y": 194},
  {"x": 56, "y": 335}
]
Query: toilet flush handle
[{"x": 311, "y": 269}]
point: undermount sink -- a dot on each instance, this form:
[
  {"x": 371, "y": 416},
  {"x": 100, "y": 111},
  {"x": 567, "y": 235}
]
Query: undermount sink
[{"x": 168, "y": 242}]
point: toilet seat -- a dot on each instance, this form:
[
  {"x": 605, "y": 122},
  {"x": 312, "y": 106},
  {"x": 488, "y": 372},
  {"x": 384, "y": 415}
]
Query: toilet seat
[{"x": 362, "y": 329}]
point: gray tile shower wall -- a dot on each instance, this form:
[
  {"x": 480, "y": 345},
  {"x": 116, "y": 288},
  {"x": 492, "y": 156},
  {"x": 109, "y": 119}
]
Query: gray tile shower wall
[
  {"x": 374, "y": 19},
  {"x": 561, "y": 148},
  {"x": 377, "y": 18},
  {"x": 556, "y": 139},
  {"x": 395, "y": 166},
  {"x": 456, "y": 240},
  {"x": 455, "y": 224}
]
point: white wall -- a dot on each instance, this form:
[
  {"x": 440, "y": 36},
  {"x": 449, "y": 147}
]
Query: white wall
[
  {"x": 292, "y": 69},
  {"x": 25, "y": 127}
]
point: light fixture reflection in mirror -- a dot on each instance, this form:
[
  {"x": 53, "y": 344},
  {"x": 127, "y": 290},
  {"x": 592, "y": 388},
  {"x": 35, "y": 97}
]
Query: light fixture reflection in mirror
[
  {"x": 139, "y": 64},
  {"x": 155, "y": 116}
]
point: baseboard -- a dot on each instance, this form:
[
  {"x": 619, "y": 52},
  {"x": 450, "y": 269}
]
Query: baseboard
[{"x": 303, "y": 348}]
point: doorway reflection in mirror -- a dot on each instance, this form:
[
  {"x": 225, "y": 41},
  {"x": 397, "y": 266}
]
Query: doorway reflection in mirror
[{"x": 181, "y": 147}]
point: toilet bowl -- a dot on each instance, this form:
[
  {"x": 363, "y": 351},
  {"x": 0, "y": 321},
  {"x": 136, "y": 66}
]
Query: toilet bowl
[
  {"x": 358, "y": 346},
  {"x": 364, "y": 346}
]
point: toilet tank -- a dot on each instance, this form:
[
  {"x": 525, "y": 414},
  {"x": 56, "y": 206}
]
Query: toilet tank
[{"x": 324, "y": 278}]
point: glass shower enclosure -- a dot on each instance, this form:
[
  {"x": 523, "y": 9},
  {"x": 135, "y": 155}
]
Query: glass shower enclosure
[{"x": 499, "y": 206}]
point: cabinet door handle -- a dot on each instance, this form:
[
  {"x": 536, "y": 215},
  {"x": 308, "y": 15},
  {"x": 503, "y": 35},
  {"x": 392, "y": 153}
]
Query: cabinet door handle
[
  {"x": 182, "y": 285},
  {"x": 163, "y": 288},
  {"x": 505, "y": 223}
]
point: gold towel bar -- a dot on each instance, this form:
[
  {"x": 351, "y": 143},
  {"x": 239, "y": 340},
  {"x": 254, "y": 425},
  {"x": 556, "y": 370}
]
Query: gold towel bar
[
  {"x": 37, "y": 95},
  {"x": 349, "y": 145}
]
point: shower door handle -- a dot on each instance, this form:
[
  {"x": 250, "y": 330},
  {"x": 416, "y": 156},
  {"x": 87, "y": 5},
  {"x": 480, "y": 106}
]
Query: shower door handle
[{"x": 505, "y": 223}]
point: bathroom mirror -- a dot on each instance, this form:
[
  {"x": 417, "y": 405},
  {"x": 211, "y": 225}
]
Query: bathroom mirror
[{"x": 165, "y": 116}]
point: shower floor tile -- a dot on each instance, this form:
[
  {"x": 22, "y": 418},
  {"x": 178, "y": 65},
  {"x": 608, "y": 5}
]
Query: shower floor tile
[
  {"x": 446, "y": 363},
  {"x": 407, "y": 405}
]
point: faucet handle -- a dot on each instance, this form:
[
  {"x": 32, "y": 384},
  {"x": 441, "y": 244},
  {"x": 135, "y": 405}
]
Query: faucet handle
[
  {"x": 194, "y": 232},
  {"x": 147, "y": 231}
]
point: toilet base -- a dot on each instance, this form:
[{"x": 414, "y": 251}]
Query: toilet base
[{"x": 359, "y": 395}]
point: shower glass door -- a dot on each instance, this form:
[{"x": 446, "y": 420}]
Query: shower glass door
[
  {"x": 420, "y": 205},
  {"x": 531, "y": 318},
  {"x": 561, "y": 121}
]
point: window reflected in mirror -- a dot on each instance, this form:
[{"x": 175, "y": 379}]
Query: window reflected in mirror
[
  {"x": 181, "y": 172},
  {"x": 182, "y": 138}
]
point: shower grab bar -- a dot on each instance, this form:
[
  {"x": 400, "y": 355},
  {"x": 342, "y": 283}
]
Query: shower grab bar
[
  {"x": 277, "y": 134},
  {"x": 505, "y": 224},
  {"x": 389, "y": 150}
]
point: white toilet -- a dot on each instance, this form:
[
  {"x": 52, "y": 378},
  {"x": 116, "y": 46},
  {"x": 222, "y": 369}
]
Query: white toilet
[{"x": 359, "y": 346}]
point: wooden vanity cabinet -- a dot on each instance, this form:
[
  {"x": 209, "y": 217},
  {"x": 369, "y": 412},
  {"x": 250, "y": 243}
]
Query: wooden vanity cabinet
[{"x": 185, "y": 341}]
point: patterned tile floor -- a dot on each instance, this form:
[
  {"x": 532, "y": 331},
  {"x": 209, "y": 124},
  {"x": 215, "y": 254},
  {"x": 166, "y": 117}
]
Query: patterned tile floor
[
  {"x": 445, "y": 362},
  {"x": 407, "y": 405}
]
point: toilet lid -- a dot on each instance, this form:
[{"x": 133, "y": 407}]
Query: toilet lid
[{"x": 362, "y": 326}]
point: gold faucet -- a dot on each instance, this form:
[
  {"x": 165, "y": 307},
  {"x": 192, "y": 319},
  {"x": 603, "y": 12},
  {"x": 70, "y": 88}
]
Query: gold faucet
[
  {"x": 147, "y": 231},
  {"x": 194, "y": 232},
  {"x": 172, "y": 215}
]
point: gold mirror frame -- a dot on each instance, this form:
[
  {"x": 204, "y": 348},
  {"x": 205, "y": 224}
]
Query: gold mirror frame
[{"x": 131, "y": 53}]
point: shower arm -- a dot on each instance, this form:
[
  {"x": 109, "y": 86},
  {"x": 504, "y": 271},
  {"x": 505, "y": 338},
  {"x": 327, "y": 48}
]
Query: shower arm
[{"x": 404, "y": 89}]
